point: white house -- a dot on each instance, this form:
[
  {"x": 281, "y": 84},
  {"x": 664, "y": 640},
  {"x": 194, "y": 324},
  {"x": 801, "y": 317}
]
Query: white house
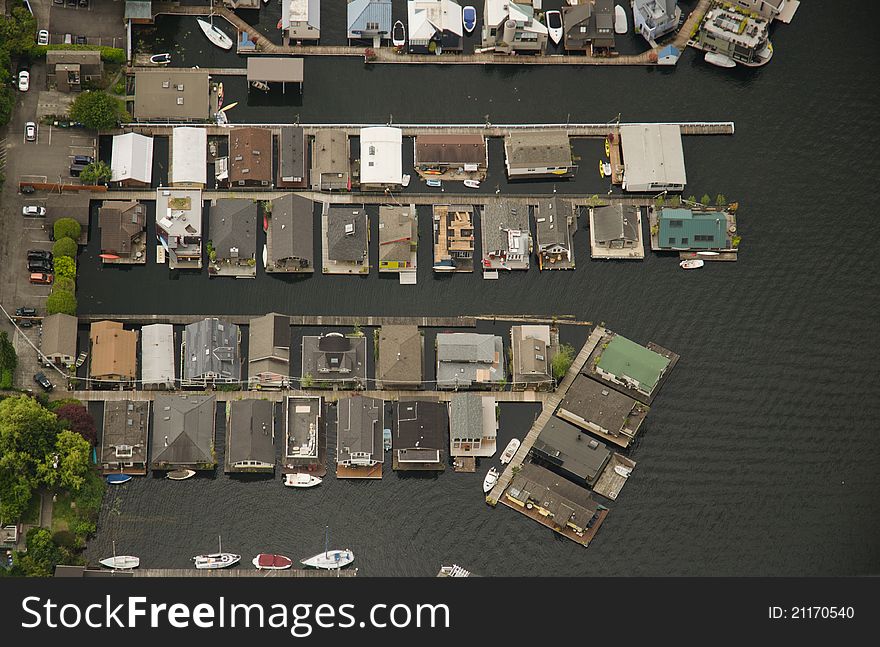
[
  {"x": 301, "y": 19},
  {"x": 131, "y": 163},
  {"x": 381, "y": 158},
  {"x": 189, "y": 165},
  {"x": 655, "y": 18},
  {"x": 434, "y": 25},
  {"x": 157, "y": 356}
]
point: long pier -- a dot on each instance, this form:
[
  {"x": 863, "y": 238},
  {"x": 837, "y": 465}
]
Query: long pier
[
  {"x": 241, "y": 572},
  {"x": 295, "y": 320},
  {"x": 550, "y": 405}
]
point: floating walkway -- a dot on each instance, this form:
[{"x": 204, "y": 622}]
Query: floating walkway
[
  {"x": 295, "y": 320},
  {"x": 241, "y": 572}
]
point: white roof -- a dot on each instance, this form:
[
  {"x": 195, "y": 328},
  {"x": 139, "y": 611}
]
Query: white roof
[
  {"x": 307, "y": 11},
  {"x": 652, "y": 154},
  {"x": 381, "y": 156},
  {"x": 189, "y": 155},
  {"x": 428, "y": 16},
  {"x": 157, "y": 354},
  {"x": 132, "y": 158},
  {"x": 498, "y": 11}
]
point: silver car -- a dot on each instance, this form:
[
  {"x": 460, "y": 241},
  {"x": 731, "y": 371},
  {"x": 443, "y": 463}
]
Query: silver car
[{"x": 30, "y": 131}]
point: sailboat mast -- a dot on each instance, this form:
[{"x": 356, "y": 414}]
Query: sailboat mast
[
  {"x": 220, "y": 542},
  {"x": 326, "y": 540}
]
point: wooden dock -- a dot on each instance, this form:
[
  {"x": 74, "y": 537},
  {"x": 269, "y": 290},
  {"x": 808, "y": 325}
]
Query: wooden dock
[
  {"x": 241, "y": 572},
  {"x": 295, "y": 320},
  {"x": 550, "y": 405}
]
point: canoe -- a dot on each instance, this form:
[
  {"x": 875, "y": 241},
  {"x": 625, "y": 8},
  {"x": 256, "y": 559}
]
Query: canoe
[
  {"x": 620, "y": 24},
  {"x": 117, "y": 479},
  {"x": 121, "y": 562},
  {"x": 180, "y": 475}
]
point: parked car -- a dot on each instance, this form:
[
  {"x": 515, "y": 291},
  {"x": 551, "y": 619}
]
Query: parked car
[
  {"x": 33, "y": 211},
  {"x": 39, "y": 254},
  {"x": 30, "y": 131},
  {"x": 27, "y": 189},
  {"x": 81, "y": 40},
  {"x": 76, "y": 169},
  {"x": 25, "y": 312},
  {"x": 84, "y": 3},
  {"x": 68, "y": 39},
  {"x": 43, "y": 37},
  {"x": 41, "y": 278},
  {"x": 25, "y": 323},
  {"x": 83, "y": 159},
  {"x": 24, "y": 81},
  {"x": 41, "y": 379},
  {"x": 39, "y": 266}
]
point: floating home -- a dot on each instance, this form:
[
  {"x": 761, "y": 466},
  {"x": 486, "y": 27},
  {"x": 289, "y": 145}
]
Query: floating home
[
  {"x": 538, "y": 154},
  {"x": 531, "y": 349},
  {"x": 596, "y": 407},
  {"x": 398, "y": 239},
  {"x": 420, "y": 436},
  {"x": 507, "y": 238},
  {"x": 469, "y": 360},
  {"x": 172, "y": 94},
  {"x": 232, "y": 247},
  {"x": 293, "y": 148},
  {"x": 210, "y": 353},
  {"x": 179, "y": 226},
  {"x": 250, "y": 436},
  {"x": 555, "y": 224},
  {"x": 334, "y": 359},
  {"x": 331, "y": 167},
  {"x": 346, "y": 233},
  {"x": 616, "y": 232},
  {"x": 123, "y": 228},
  {"x": 183, "y": 432},
  {"x": 269, "y": 352},
  {"x": 653, "y": 158},
  {"x": 113, "y": 356},
  {"x": 451, "y": 157},
  {"x": 157, "y": 357},
  {"x": 131, "y": 160},
  {"x": 400, "y": 352},
  {"x": 289, "y": 237},
  {"x": 189, "y": 157},
  {"x": 124, "y": 437},
  {"x": 568, "y": 451},
  {"x": 453, "y": 238},
  {"x": 686, "y": 229},
  {"x": 434, "y": 26},
  {"x": 632, "y": 369},
  {"x": 359, "y": 445},
  {"x": 381, "y": 160},
  {"x": 473, "y": 425},
  {"x": 305, "y": 439},
  {"x": 58, "y": 340}
]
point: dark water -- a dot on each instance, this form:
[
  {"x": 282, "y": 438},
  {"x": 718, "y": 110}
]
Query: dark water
[{"x": 759, "y": 457}]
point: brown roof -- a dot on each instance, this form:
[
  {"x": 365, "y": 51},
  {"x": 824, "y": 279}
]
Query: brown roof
[
  {"x": 172, "y": 93},
  {"x": 59, "y": 335},
  {"x": 451, "y": 149},
  {"x": 250, "y": 155},
  {"x": 113, "y": 350},
  {"x": 284, "y": 69},
  {"x": 119, "y": 223}
]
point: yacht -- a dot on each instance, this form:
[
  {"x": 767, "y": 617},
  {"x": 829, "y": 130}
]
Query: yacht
[
  {"x": 509, "y": 451},
  {"x": 490, "y": 480}
]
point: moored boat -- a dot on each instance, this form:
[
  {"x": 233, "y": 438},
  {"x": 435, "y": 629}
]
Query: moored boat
[
  {"x": 398, "y": 34},
  {"x": 404, "y": 180},
  {"x": 623, "y": 471},
  {"x": 509, "y": 451},
  {"x": 554, "y": 26},
  {"x": 267, "y": 562},
  {"x": 265, "y": 257},
  {"x": 601, "y": 169},
  {"x": 329, "y": 559},
  {"x": 160, "y": 59},
  {"x": 216, "y": 560},
  {"x": 214, "y": 34},
  {"x": 709, "y": 253},
  {"x": 301, "y": 479},
  {"x": 691, "y": 264},
  {"x": 490, "y": 480},
  {"x": 472, "y": 184},
  {"x": 620, "y": 24},
  {"x": 606, "y": 169},
  {"x": 469, "y": 18},
  {"x": 607, "y": 147},
  {"x": 121, "y": 562},
  {"x": 117, "y": 479},
  {"x": 180, "y": 475},
  {"x": 719, "y": 59},
  {"x": 433, "y": 182},
  {"x": 259, "y": 85}
]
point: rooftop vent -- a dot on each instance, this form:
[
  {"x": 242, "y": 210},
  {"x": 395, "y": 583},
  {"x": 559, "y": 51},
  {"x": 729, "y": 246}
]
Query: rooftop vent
[
  {"x": 180, "y": 101},
  {"x": 166, "y": 84}
]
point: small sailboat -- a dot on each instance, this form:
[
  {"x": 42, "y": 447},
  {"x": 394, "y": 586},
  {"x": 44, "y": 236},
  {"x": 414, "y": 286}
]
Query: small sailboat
[
  {"x": 708, "y": 253},
  {"x": 691, "y": 264},
  {"x": 160, "y": 59},
  {"x": 469, "y": 18},
  {"x": 719, "y": 59},
  {"x": 118, "y": 479},
  {"x": 120, "y": 562},
  {"x": 472, "y": 184},
  {"x": 180, "y": 475},
  {"x": 267, "y": 562},
  {"x": 329, "y": 559},
  {"x": 301, "y": 479},
  {"x": 620, "y": 24},
  {"x": 214, "y": 34},
  {"x": 554, "y": 26},
  {"x": 490, "y": 480},
  {"x": 216, "y": 560},
  {"x": 398, "y": 34},
  {"x": 509, "y": 451},
  {"x": 623, "y": 471}
]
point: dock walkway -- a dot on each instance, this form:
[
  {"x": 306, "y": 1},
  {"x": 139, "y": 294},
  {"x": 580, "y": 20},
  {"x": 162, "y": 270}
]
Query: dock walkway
[
  {"x": 240, "y": 572},
  {"x": 295, "y": 320}
]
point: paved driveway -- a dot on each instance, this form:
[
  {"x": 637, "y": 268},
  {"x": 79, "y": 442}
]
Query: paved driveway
[{"x": 101, "y": 22}]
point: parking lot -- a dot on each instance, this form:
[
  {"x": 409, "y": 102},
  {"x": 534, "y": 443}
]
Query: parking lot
[
  {"x": 99, "y": 22},
  {"x": 49, "y": 158}
]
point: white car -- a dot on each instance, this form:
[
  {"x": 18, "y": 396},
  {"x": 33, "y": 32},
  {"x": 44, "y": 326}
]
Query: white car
[
  {"x": 30, "y": 131},
  {"x": 24, "y": 80},
  {"x": 43, "y": 37},
  {"x": 32, "y": 211}
]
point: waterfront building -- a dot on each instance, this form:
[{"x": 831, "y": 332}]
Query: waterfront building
[
  {"x": 179, "y": 226},
  {"x": 419, "y": 440},
  {"x": 465, "y": 153},
  {"x": 359, "y": 446},
  {"x": 512, "y": 27},
  {"x": 473, "y": 425},
  {"x": 781, "y": 10},
  {"x": 469, "y": 360},
  {"x": 131, "y": 160},
  {"x": 683, "y": 229},
  {"x": 189, "y": 167},
  {"x": 453, "y": 238},
  {"x": 289, "y": 238},
  {"x": 566, "y": 450},
  {"x": 58, "y": 341},
  {"x": 398, "y": 238},
  {"x": 369, "y": 20},
  {"x": 293, "y": 168},
  {"x": 577, "y": 23},
  {"x": 113, "y": 354},
  {"x": 232, "y": 249},
  {"x": 555, "y": 224},
  {"x": 531, "y": 349},
  {"x": 301, "y": 19},
  {"x": 183, "y": 432},
  {"x": 250, "y": 157},
  {"x": 627, "y": 364},
  {"x": 124, "y": 437},
  {"x": 560, "y": 502},
  {"x": 381, "y": 162},
  {"x": 250, "y": 436},
  {"x": 615, "y": 232},
  {"x": 171, "y": 94},
  {"x": 305, "y": 443},
  {"x": 210, "y": 353},
  {"x": 67, "y": 70},
  {"x": 742, "y": 38},
  {"x": 434, "y": 26},
  {"x": 603, "y": 411},
  {"x": 536, "y": 154},
  {"x": 331, "y": 168},
  {"x": 655, "y": 18},
  {"x": 334, "y": 358},
  {"x": 123, "y": 228},
  {"x": 399, "y": 364},
  {"x": 275, "y": 69},
  {"x": 346, "y": 239},
  {"x": 668, "y": 55},
  {"x": 653, "y": 158},
  {"x": 507, "y": 238},
  {"x": 157, "y": 356},
  {"x": 269, "y": 352}
]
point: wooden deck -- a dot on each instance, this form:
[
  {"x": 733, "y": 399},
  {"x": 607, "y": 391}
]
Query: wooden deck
[
  {"x": 583, "y": 540},
  {"x": 610, "y": 483},
  {"x": 343, "y": 472},
  {"x": 241, "y": 572}
]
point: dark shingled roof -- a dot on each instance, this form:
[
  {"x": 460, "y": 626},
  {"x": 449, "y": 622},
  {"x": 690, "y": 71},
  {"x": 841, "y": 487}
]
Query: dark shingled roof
[
  {"x": 343, "y": 246},
  {"x": 183, "y": 430},
  {"x": 292, "y": 228},
  {"x": 233, "y": 224},
  {"x": 421, "y": 430},
  {"x": 251, "y": 432},
  {"x": 571, "y": 449}
]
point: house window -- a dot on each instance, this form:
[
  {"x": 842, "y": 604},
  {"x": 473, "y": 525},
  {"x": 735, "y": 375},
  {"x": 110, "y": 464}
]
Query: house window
[
  {"x": 703, "y": 238},
  {"x": 373, "y": 26},
  {"x": 672, "y": 241},
  {"x": 675, "y": 223},
  {"x": 685, "y": 241}
]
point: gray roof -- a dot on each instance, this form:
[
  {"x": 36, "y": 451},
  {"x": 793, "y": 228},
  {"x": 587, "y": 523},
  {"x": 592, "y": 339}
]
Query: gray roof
[
  {"x": 251, "y": 433},
  {"x": 359, "y": 427},
  {"x": 292, "y": 148},
  {"x": 565, "y": 500},
  {"x": 400, "y": 355},
  {"x": 531, "y": 353},
  {"x": 330, "y": 163},
  {"x": 421, "y": 430},
  {"x": 138, "y": 10},
  {"x": 571, "y": 449},
  {"x": 183, "y": 430},
  {"x": 597, "y": 403},
  {"x": 466, "y": 415},
  {"x": 212, "y": 348},
  {"x": 171, "y": 93},
  {"x": 346, "y": 233},
  {"x": 292, "y": 226},
  {"x": 397, "y": 231},
  {"x": 501, "y": 216},
  {"x": 59, "y": 335},
  {"x": 467, "y": 358},
  {"x": 334, "y": 357},
  {"x": 361, "y": 12},
  {"x": 551, "y": 223},
  {"x": 281, "y": 69},
  {"x": 615, "y": 222},
  {"x": 652, "y": 156},
  {"x": 233, "y": 225},
  {"x": 126, "y": 424},
  {"x": 269, "y": 345},
  {"x": 525, "y": 149}
]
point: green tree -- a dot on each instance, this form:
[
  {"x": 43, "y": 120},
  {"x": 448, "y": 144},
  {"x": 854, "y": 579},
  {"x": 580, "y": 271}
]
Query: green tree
[
  {"x": 42, "y": 554},
  {"x": 98, "y": 111},
  {"x": 720, "y": 200},
  {"x": 705, "y": 200},
  {"x": 61, "y": 301},
  {"x": 67, "y": 228},
  {"x": 64, "y": 283},
  {"x": 307, "y": 380},
  {"x": 65, "y": 247},
  {"x": 562, "y": 360},
  {"x": 692, "y": 198},
  {"x": 7, "y": 103},
  {"x": 65, "y": 266},
  {"x": 68, "y": 465},
  {"x": 18, "y": 31},
  {"x": 96, "y": 173}
]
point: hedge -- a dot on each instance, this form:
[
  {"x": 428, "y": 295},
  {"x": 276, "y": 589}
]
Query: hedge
[
  {"x": 61, "y": 301},
  {"x": 66, "y": 228},
  {"x": 65, "y": 247},
  {"x": 108, "y": 54}
]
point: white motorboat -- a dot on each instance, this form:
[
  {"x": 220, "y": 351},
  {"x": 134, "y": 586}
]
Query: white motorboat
[
  {"x": 215, "y": 34},
  {"x": 216, "y": 560},
  {"x": 265, "y": 257},
  {"x": 554, "y": 26},
  {"x": 329, "y": 559},
  {"x": 620, "y": 23},
  {"x": 709, "y": 253},
  {"x": 472, "y": 184},
  {"x": 623, "y": 471},
  {"x": 180, "y": 475},
  {"x": 301, "y": 479},
  {"x": 719, "y": 59},
  {"x": 267, "y": 562},
  {"x": 490, "y": 480},
  {"x": 509, "y": 451},
  {"x": 433, "y": 182},
  {"x": 121, "y": 562},
  {"x": 691, "y": 264},
  {"x": 398, "y": 34}
]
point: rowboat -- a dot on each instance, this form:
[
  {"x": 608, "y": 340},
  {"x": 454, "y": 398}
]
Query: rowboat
[
  {"x": 214, "y": 34},
  {"x": 509, "y": 451},
  {"x": 117, "y": 479},
  {"x": 490, "y": 480},
  {"x": 620, "y": 24},
  {"x": 472, "y": 184},
  {"x": 691, "y": 264},
  {"x": 719, "y": 59},
  {"x": 398, "y": 34},
  {"x": 267, "y": 562},
  {"x": 259, "y": 85},
  {"x": 623, "y": 471},
  {"x": 301, "y": 479},
  {"x": 180, "y": 475}
]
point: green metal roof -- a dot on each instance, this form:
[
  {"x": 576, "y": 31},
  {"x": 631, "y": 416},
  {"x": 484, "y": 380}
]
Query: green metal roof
[
  {"x": 138, "y": 10},
  {"x": 623, "y": 357},
  {"x": 686, "y": 229}
]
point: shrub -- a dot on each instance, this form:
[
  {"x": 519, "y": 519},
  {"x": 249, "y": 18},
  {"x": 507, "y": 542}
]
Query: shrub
[
  {"x": 67, "y": 228},
  {"x": 65, "y": 247},
  {"x": 65, "y": 283},
  {"x": 96, "y": 173},
  {"x": 6, "y": 379},
  {"x": 562, "y": 360},
  {"x": 108, "y": 54},
  {"x": 61, "y": 301},
  {"x": 705, "y": 200},
  {"x": 98, "y": 111},
  {"x": 64, "y": 539},
  {"x": 65, "y": 266},
  {"x": 78, "y": 419}
]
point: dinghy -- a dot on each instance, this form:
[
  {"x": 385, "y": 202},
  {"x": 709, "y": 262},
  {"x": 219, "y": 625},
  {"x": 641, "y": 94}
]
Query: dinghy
[
  {"x": 691, "y": 264},
  {"x": 398, "y": 34},
  {"x": 118, "y": 479},
  {"x": 180, "y": 475},
  {"x": 160, "y": 59},
  {"x": 719, "y": 59},
  {"x": 472, "y": 184}
]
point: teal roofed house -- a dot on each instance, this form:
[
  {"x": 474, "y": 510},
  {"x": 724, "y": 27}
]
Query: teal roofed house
[
  {"x": 682, "y": 229},
  {"x": 629, "y": 364}
]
